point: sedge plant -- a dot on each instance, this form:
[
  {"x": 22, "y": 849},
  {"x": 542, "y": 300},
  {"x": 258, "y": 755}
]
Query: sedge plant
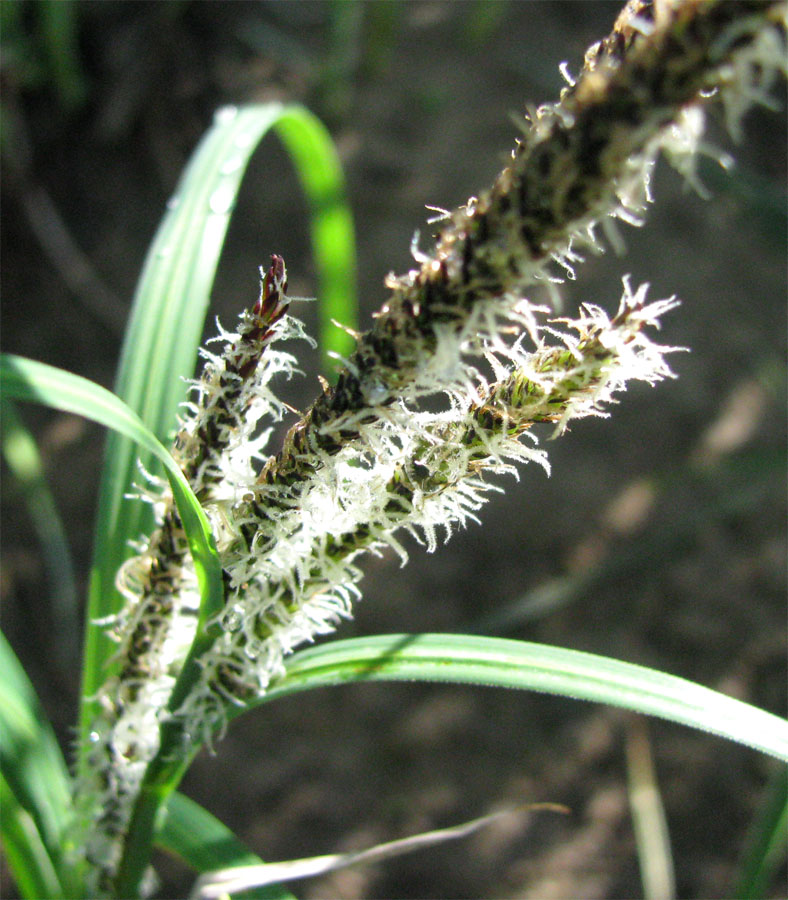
[{"x": 251, "y": 552}]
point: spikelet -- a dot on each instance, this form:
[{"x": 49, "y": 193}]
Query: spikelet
[{"x": 370, "y": 459}]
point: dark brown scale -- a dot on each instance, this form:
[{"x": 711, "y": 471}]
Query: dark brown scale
[
  {"x": 592, "y": 141},
  {"x": 427, "y": 295},
  {"x": 420, "y": 472},
  {"x": 628, "y": 107},
  {"x": 440, "y": 295},
  {"x": 199, "y": 458},
  {"x": 233, "y": 684},
  {"x": 467, "y": 259},
  {"x": 386, "y": 351},
  {"x": 657, "y": 85},
  {"x": 543, "y": 160},
  {"x": 560, "y": 138},
  {"x": 398, "y": 492},
  {"x": 354, "y": 394},
  {"x": 504, "y": 205},
  {"x": 674, "y": 46},
  {"x": 142, "y": 641},
  {"x": 166, "y": 539},
  {"x": 258, "y": 509},
  {"x": 230, "y": 394},
  {"x": 299, "y": 441},
  {"x": 319, "y": 416},
  {"x": 522, "y": 197},
  {"x": 543, "y": 214},
  {"x": 618, "y": 46},
  {"x": 339, "y": 402},
  {"x": 263, "y": 544},
  {"x": 366, "y": 359},
  {"x": 212, "y": 431},
  {"x": 330, "y": 445},
  {"x": 246, "y": 371},
  {"x": 255, "y": 334},
  {"x": 248, "y": 532},
  {"x": 268, "y": 307}
]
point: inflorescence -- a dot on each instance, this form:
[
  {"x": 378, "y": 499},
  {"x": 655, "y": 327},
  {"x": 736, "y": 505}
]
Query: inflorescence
[{"x": 370, "y": 459}]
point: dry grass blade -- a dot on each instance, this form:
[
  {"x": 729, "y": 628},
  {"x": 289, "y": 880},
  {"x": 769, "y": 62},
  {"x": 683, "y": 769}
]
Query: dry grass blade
[{"x": 231, "y": 881}]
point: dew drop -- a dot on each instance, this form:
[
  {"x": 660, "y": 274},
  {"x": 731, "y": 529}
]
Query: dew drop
[
  {"x": 231, "y": 165},
  {"x": 225, "y": 115},
  {"x": 233, "y": 619},
  {"x": 222, "y": 199},
  {"x": 374, "y": 391}
]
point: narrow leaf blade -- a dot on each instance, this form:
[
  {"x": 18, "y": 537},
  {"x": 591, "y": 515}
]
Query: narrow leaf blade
[
  {"x": 24, "y": 461},
  {"x": 24, "y": 849},
  {"x": 36, "y": 787},
  {"x": 333, "y": 243},
  {"x": 169, "y": 311},
  {"x": 25, "y": 379},
  {"x": 205, "y": 843},
  {"x": 160, "y": 350},
  {"x": 518, "y": 664},
  {"x": 767, "y": 846}
]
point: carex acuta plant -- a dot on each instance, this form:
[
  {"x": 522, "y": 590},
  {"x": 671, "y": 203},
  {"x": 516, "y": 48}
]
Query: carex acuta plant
[{"x": 440, "y": 396}]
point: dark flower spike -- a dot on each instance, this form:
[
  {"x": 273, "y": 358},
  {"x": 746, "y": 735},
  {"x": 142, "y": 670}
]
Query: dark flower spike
[{"x": 369, "y": 458}]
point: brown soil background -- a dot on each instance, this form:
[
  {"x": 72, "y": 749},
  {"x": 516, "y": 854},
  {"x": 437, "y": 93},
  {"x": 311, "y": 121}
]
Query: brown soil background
[{"x": 659, "y": 550}]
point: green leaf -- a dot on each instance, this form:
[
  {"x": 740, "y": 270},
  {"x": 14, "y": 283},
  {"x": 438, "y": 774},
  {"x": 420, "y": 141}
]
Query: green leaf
[
  {"x": 59, "y": 37},
  {"x": 25, "y": 379},
  {"x": 160, "y": 350},
  {"x": 767, "y": 843},
  {"x": 24, "y": 849},
  {"x": 204, "y": 843},
  {"x": 35, "y": 785},
  {"x": 24, "y": 461},
  {"x": 170, "y": 304},
  {"x": 333, "y": 242},
  {"x": 519, "y": 664}
]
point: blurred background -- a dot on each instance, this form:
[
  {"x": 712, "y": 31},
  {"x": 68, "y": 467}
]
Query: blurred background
[{"x": 659, "y": 538}]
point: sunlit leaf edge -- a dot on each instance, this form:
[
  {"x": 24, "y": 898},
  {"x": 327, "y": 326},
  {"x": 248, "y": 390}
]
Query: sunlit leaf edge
[{"x": 501, "y": 662}]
